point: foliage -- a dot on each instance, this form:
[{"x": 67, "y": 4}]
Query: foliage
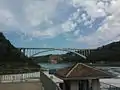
[
  {"x": 106, "y": 54},
  {"x": 11, "y": 57},
  {"x": 43, "y": 59}
]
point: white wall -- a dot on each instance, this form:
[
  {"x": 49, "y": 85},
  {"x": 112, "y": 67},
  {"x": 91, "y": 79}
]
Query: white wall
[
  {"x": 95, "y": 84},
  {"x": 74, "y": 85}
]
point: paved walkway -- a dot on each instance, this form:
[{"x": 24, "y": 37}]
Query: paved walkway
[{"x": 21, "y": 86}]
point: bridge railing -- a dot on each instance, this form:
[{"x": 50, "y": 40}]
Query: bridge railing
[
  {"x": 19, "y": 77},
  {"x": 105, "y": 86},
  {"x": 35, "y": 51}
]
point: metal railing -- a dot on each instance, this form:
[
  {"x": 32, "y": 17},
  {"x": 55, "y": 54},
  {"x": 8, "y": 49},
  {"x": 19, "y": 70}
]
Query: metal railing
[
  {"x": 105, "y": 86},
  {"x": 19, "y": 77}
]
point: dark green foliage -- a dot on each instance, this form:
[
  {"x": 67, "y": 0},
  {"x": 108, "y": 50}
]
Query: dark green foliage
[
  {"x": 11, "y": 57},
  {"x": 8, "y": 52},
  {"x": 65, "y": 58},
  {"x": 107, "y": 54},
  {"x": 71, "y": 57},
  {"x": 43, "y": 59}
]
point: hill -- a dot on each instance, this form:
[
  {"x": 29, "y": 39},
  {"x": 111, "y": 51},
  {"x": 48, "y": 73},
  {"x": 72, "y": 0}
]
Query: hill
[
  {"x": 106, "y": 54},
  {"x": 42, "y": 59},
  {"x": 61, "y": 58},
  {"x": 11, "y": 58}
]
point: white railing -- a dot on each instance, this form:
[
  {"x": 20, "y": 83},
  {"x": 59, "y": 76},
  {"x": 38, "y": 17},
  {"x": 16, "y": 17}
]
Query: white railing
[{"x": 19, "y": 77}]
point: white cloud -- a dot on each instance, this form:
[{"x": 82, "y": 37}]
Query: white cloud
[
  {"x": 48, "y": 33},
  {"x": 68, "y": 26},
  {"x": 108, "y": 32},
  {"x": 92, "y": 10},
  {"x": 29, "y": 14},
  {"x": 93, "y": 7},
  {"x": 26, "y": 15},
  {"x": 38, "y": 11},
  {"x": 76, "y": 33},
  {"x": 6, "y": 17}
]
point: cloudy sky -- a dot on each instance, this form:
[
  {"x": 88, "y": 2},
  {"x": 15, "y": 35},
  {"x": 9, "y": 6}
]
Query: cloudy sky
[{"x": 60, "y": 23}]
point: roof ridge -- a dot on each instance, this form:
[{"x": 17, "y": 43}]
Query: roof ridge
[{"x": 72, "y": 69}]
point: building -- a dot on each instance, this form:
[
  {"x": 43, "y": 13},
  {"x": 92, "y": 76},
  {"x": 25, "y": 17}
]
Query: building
[
  {"x": 81, "y": 77},
  {"x": 55, "y": 59}
]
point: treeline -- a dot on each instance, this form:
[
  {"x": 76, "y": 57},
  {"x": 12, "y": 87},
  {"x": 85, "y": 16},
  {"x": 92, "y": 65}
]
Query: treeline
[
  {"x": 63, "y": 58},
  {"x": 42, "y": 59},
  {"x": 106, "y": 54},
  {"x": 71, "y": 57},
  {"x": 11, "y": 57},
  {"x": 8, "y": 52}
]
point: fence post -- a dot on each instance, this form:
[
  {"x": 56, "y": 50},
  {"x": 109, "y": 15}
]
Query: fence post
[
  {"x": 21, "y": 77},
  {"x": 0, "y": 78}
]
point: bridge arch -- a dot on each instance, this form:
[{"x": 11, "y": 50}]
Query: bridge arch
[{"x": 83, "y": 56}]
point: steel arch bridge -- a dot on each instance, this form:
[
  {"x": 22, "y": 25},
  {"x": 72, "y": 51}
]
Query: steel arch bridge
[{"x": 31, "y": 52}]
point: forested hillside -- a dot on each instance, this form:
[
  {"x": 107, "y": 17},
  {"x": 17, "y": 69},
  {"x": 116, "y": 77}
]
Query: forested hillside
[
  {"x": 106, "y": 54},
  {"x": 12, "y": 58}
]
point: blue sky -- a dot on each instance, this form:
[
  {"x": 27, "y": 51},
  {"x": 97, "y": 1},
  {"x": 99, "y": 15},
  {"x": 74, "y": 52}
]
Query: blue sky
[{"x": 60, "y": 23}]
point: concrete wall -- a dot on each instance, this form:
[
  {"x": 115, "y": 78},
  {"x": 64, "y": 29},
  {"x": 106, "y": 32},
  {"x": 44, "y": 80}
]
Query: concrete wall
[
  {"x": 95, "y": 84},
  {"x": 21, "y": 86},
  {"x": 74, "y": 85},
  {"x": 47, "y": 83}
]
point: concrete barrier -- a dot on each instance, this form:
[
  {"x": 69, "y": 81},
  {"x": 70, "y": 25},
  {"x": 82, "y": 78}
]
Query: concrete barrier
[{"x": 47, "y": 83}]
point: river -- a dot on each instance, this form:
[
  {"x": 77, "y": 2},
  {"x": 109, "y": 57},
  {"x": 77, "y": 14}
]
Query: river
[
  {"x": 114, "y": 70},
  {"x": 54, "y": 66}
]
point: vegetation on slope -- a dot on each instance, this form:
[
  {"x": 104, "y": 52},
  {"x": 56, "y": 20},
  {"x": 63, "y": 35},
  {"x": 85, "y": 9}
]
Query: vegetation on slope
[
  {"x": 62, "y": 58},
  {"x": 43, "y": 59},
  {"x": 106, "y": 54},
  {"x": 11, "y": 59}
]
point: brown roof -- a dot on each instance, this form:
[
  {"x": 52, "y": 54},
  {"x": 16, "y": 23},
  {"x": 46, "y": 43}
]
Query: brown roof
[{"x": 82, "y": 71}]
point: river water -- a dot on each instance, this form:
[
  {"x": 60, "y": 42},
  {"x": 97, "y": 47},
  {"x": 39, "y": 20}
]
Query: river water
[
  {"x": 54, "y": 66},
  {"x": 114, "y": 70}
]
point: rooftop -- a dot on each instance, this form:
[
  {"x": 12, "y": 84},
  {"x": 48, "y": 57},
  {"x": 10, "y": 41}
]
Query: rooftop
[{"x": 82, "y": 71}]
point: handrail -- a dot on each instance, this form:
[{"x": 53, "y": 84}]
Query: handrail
[
  {"x": 22, "y": 69},
  {"x": 19, "y": 77}
]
